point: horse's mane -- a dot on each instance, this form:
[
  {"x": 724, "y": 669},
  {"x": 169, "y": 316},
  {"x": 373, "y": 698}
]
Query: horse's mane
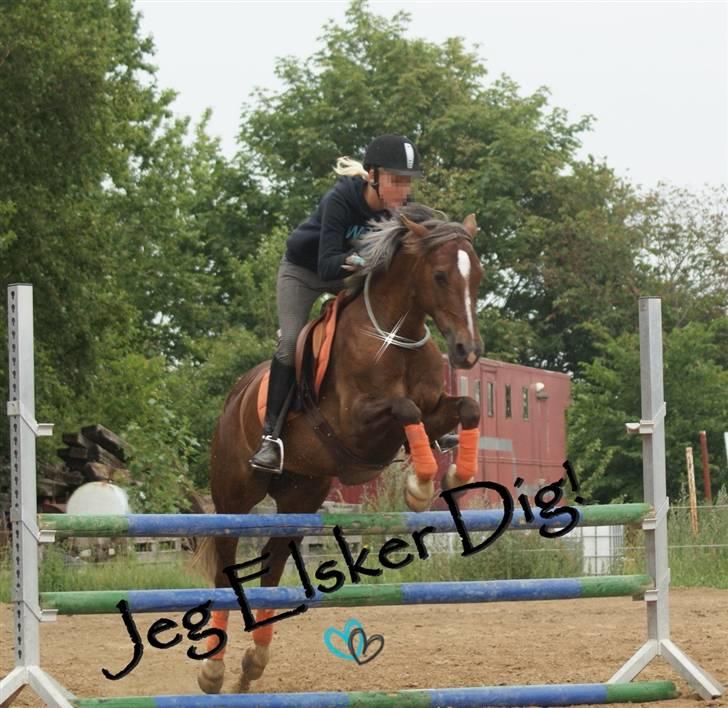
[{"x": 379, "y": 245}]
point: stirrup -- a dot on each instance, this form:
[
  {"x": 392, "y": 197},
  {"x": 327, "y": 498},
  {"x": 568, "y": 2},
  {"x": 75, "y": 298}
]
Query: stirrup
[
  {"x": 450, "y": 442},
  {"x": 278, "y": 442}
]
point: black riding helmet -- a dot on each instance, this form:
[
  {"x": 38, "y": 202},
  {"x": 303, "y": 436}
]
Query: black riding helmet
[{"x": 394, "y": 153}]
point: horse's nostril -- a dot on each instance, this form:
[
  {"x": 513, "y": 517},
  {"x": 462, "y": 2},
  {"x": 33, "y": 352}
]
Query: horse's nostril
[{"x": 460, "y": 351}]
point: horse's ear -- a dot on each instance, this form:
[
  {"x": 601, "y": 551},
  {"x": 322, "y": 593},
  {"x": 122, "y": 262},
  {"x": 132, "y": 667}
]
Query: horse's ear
[
  {"x": 470, "y": 225},
  {"x": 413, "y": 226}
]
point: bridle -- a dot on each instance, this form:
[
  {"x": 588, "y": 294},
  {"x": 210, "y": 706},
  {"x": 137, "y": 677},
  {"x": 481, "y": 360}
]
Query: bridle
[{"x": 392, "y": 337}]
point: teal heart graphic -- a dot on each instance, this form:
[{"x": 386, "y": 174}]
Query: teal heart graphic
[{"x": 332, "y": 632}]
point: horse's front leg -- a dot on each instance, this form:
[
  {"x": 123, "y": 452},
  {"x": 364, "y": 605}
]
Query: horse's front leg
[
  {"x": 449, "y": 412},
  {"x": 405, "y": 414}
]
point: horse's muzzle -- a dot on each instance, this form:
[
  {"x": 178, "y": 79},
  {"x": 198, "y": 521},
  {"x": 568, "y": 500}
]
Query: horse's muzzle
[{"x": 464, "y": 354}]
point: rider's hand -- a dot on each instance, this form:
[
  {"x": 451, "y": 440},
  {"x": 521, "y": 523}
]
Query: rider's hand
[{"x": 353, "y": 262}]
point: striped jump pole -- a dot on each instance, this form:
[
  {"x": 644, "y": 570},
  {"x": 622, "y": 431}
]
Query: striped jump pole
[
  {"x": 379, "y": 524},
  {"x": 545, "y": 695},
  {"x": 88, "y": 602}
]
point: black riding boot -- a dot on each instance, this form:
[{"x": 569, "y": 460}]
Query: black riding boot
[{"x": 269, "y": 457}]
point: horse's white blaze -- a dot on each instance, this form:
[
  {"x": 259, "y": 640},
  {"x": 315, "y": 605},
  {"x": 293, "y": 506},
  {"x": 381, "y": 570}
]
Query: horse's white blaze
[{"x": 464, "y": 268}]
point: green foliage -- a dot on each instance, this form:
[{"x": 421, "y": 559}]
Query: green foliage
[
  {"x": 74, "y": 110},
  {"x": 685, "y": 252},
  {"x": 199, "y": 386},
  {"x": 133, "y": 235},
  {"x": 74, "y": 107},
  {"x": 186, "y": 222},
  {"x": 696, "y": 387}
]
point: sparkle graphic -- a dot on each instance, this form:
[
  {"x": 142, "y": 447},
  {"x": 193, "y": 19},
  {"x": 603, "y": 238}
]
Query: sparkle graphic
[{"x": 387, "y": 338}]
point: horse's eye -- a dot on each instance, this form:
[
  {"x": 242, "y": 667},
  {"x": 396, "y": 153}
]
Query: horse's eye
[{"x": 441, "y": 278}]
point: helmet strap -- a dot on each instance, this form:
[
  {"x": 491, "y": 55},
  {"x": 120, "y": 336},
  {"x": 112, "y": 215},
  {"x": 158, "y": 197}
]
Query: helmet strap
[{"x": 375, "y": 184}]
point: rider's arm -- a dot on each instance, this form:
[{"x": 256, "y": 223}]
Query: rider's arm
[{"x": 335, "y": 221}]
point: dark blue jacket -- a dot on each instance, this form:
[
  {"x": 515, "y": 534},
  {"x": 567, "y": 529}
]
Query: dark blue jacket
[{"x": 324, "y": 240}]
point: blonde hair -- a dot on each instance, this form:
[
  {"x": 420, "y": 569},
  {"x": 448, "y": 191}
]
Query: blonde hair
[{"x": 346, "y": 167}]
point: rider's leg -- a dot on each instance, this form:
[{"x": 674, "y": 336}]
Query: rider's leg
[
  {"x": 296, "y": 290},
  {"x": 268, "y": 457}
]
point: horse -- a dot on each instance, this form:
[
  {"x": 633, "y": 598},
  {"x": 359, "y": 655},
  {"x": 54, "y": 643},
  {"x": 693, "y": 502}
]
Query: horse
[{"x": 382, "y": 387}]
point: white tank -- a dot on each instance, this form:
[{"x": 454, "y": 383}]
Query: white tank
[{"x": 98, "y": 498}]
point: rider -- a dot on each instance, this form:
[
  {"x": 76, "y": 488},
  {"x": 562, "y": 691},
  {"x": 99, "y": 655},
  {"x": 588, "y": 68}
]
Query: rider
[{"x": 319, "y": 254}]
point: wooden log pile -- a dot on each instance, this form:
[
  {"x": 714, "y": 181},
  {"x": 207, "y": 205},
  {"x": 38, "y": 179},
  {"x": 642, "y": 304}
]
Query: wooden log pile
[
  {"x": 97, "y": 454},
  {"x": 92, "y": 454}
]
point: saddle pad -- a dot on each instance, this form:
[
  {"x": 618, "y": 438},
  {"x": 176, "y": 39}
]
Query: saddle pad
[
  {"x": 263, "y": 397},
  {"x": 322, "y": 341}
]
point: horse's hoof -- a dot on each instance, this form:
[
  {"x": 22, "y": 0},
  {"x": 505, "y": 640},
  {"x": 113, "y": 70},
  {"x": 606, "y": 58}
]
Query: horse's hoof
[
  {"x": 254, "y": 662},
  {"x": 418, "y": 494},
  {"x": 451, "y": 479},
  {"x": 210, "y": 675}
]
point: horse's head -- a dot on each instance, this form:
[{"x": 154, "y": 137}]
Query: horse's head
[
  {"x": 430, "y": 261},
  {"x": 447, "y": 277}
]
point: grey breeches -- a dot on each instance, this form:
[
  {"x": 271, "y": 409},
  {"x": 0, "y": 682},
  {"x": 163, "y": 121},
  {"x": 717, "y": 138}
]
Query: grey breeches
[{"x": 296, "y": 291}]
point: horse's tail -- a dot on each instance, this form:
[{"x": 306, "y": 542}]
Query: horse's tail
[{"x": 205, "y": 559}]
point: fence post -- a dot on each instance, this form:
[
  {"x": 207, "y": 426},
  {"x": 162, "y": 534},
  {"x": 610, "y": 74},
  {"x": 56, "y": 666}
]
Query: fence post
[
  {"x": 691, "y": 490},
  {"x": 708, "y": 492}
]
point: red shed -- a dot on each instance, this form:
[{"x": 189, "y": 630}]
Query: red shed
[
  {"x": 522, "y": 421},
  {"x": 522, "y": 426}
]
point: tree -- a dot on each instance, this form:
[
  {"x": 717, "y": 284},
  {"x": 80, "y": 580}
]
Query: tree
[
  {"x": 75, "y": 111},
  {"x": 685, "y": 251},
  {"x": 76, "y": 114},
  {"x": 185, "y": 224},
  {"x": 133, "y": 235}
]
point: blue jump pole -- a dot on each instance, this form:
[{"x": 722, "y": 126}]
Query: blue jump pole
[
  {"x": 105, "y": 601},
  {"x": 544, "y": 695},
  {"x": 378, "y": 523}
]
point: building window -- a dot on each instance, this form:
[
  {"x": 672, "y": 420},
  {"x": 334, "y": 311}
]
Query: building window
[
  {"x": 508, "y": 401},
  {"x": 524, "y": 393},
  {"x": 476, "y": 391},
  {"x": 490, "y": 400},
  {"x": 463, "y": 385}
]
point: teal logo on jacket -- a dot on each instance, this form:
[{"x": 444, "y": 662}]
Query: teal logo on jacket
[{"x": 356, "y": 232}]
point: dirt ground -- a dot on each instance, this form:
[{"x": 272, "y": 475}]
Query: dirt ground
[{"x": 575, "y": 641}]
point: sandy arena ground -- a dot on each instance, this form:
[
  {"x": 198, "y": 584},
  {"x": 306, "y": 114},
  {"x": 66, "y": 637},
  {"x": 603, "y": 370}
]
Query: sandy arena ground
[{"x": 425, "y": 647}]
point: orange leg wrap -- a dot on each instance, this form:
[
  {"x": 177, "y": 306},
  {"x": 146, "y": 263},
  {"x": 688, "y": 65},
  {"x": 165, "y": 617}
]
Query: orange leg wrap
[
  {"x": 467, "y": 462},
  {"x": 421, "y": 452},
  {"x": 263, "y": 635},
  {"x": 220, "y": 621}
]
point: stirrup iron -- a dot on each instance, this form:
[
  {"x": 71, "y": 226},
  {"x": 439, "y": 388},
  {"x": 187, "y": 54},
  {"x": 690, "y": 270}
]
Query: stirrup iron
[{"x": 278, "y": 441}]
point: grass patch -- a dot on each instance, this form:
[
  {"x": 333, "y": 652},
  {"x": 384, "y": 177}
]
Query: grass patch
[
  {"x": 59, "y": 572},
  {"x": 699, "y": 560}
]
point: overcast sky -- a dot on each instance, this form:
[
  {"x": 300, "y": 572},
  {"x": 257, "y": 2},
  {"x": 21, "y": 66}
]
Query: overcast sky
[{"x": 654, "y": 74}]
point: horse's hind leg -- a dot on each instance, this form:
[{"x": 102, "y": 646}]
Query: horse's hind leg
[{"x": 293, "y": 494}]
